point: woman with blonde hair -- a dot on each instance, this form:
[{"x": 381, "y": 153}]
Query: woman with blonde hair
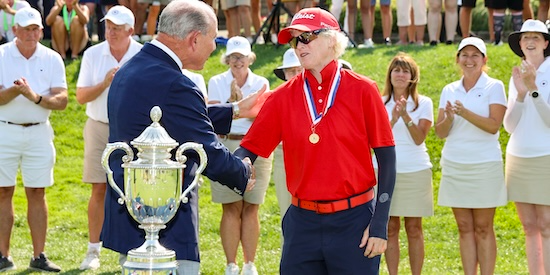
[
  {"x": 411, "y": 117},
  {"x": 472, "y": 177}
]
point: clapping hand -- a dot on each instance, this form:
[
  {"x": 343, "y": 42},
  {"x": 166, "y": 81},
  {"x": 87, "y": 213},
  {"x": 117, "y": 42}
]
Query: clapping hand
[
  {"x": 236, "y": 93},
  {"x": 59, "y": 3},
  {"x": 449, "y": 111},
  {"x": 401, "y": 106},
  {"x": 109, "y": 76},
  {"x": 4, "y": 4},
  {"x": 458, "y": 108},
  {"x": 24, "y": 89}
]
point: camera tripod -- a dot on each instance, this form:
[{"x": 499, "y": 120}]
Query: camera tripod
[{"x": 272, "y": 18}]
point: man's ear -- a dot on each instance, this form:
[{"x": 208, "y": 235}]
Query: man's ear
[{"x": 194, "y": 39}]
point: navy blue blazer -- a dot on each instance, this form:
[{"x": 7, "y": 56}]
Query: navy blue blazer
[{"x": 152, "y": 78}]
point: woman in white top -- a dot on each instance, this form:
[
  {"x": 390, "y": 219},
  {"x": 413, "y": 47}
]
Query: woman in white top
[
  {"x": 411, "y": 116},
  {"x": 470, "y": 114},
  {"x": 240, "y": 222},
  {"x": 528, "y": 151}
]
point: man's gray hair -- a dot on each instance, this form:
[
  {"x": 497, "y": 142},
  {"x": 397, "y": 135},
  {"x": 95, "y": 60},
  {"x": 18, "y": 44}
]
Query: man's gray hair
[{"x": 181, "y": 17}]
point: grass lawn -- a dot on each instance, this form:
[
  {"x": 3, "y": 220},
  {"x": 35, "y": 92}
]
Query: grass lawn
[{"x": 67, "y": 234}]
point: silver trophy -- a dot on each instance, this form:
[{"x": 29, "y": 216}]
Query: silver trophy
[{"x": 153, "y": 191}]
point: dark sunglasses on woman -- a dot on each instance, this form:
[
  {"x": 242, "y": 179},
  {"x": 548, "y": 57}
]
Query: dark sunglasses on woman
[{"x": 305, "y": 37}]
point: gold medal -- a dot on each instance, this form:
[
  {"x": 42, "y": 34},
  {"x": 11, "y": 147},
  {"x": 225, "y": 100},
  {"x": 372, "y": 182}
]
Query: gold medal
[{"x": 314, "y": 138}]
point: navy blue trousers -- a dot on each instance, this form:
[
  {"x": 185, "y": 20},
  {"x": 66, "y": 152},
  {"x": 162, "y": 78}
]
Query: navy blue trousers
[{"x": 327, "y": 243}]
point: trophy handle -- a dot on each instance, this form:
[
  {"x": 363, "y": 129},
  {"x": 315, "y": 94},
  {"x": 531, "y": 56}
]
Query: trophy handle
[
  {"x": 181, "y": 158},
  {"x": 105, "y": 163}
]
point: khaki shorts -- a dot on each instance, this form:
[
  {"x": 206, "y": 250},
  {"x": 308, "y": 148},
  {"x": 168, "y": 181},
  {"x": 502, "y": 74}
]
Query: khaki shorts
[
  {"x": 96, "y": 137},
  {"x": 228, "y": 4},
  {"x": 222, "y": 193}
]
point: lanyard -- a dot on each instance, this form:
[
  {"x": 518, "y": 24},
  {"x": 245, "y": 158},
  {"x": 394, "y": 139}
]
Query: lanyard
[
  {"x": 6, "y": 25},
  {"x": 68, "y": 18},
  {"x": 329, "y": 101}
]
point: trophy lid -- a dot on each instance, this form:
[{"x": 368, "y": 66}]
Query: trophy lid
[{"x": 155, "y": 135}]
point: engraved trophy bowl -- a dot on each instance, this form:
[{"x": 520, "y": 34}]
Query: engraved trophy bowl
[{"x": 152, "y": 193}]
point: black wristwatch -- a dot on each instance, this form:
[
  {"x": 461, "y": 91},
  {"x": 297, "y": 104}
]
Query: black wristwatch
[{"x": 535, "y": 94}]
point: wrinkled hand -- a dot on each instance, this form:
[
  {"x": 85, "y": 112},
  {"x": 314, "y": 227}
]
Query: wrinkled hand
[
  {"x": 373, "y": 246},
  {"x": 251, "y": 105},
  {"x": 23, "y": 88},
  {"x": 236, "y": 93},
  {"x": 109, "y": 76},
  {"x": 252, "y": 181}
]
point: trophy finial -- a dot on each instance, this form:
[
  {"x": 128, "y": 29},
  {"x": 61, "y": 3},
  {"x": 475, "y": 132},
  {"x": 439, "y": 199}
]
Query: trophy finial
[{"x": 156, "y": 114}]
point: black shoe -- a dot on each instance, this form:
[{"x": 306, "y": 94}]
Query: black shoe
[
  {"x": 6, "y": 263},
  {"x": 43, "y": 264},
  {"x": 433, "y": 43},
  {"x": 449, "y": 42}
]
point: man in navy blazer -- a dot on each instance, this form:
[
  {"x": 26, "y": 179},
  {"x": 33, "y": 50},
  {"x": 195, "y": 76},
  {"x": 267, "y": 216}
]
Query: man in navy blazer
[{"x": 187, "y": 30}]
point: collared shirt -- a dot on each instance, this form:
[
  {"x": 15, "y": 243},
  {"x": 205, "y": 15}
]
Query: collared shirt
[
  {"x": 43, "y": 70},
  {"x": 409, "y": 156},
  {"x": 219, "y": 89},
  {"x": 6, "y": 20},
  {"x": 96, "y": 62},
  {"x": 169, "y": 52},
  {"x": 530, "y": 136},
  {"x": 340, "y": 164},
  {"x": 467, "y": 143}
]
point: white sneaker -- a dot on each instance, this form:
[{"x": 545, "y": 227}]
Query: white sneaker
[
  {"x": 232, "y": 269},
  {"x": 260, "y": 40},
  {"x": 136, "y": 37},
  {"x": 274, "y": 38},
  {"x": 91, "y": 261},
  {"x": 146, "y": 38},
  {"x": 368, "y": 44},
  {"x": 249, "y": 269}
]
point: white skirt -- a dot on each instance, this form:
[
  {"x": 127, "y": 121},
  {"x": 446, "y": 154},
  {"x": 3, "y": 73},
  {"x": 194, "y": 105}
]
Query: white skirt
[{"x": 478, "y": 185}]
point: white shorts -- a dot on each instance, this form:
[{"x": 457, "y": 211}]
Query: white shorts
[{"x": 29, "y": 148}]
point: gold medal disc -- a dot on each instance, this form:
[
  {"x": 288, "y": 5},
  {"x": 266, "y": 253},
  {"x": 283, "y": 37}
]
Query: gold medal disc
[{"x": 314, "y": 138}]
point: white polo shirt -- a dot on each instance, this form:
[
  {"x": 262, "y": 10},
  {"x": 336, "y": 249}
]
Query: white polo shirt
[
  {"x": 43, "y": 70},
  {"x": 531, "y": 135},
  {"x": 198, "y": 79},
  {"x": 6, "y": 20},
  {"x": 410, "y": 157},
  {"x": 466, "y": 143},
  {"x": 96, "y": 62},
  {"x": 219, "y": 89}
]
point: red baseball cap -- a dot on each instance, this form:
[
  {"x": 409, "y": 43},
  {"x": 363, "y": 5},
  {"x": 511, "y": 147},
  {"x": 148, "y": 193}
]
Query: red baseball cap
[{"x": 309, "y": 19}]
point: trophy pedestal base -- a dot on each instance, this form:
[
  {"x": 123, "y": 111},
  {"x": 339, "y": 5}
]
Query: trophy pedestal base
[{"x": 150, "y": 263}]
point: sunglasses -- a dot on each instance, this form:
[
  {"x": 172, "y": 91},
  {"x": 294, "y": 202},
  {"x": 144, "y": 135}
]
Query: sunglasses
[{"x": 305, "y": 38}]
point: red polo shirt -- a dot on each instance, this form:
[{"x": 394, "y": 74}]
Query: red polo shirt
[{"x": 340, "y": 164}]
